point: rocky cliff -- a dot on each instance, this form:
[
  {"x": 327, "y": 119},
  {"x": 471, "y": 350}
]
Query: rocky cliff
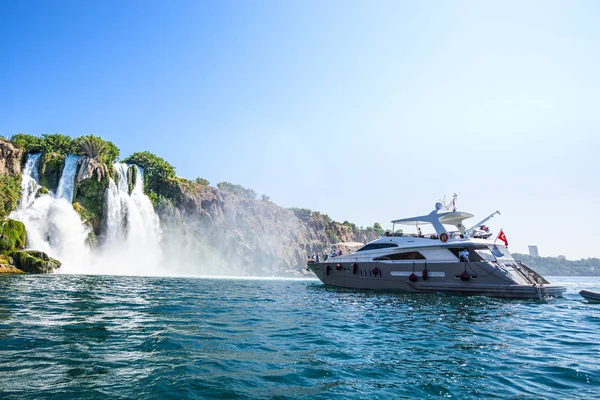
[
  {"x": 224, "y": 231},
  {"x": 249, "y": 235},
  {"x": 10, "y": 158}
]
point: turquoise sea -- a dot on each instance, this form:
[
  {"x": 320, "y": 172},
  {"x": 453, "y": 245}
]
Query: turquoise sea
[{"x": 97, "y": 337}]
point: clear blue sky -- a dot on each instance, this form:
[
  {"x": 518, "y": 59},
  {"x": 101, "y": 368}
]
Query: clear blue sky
[{"x": 364, "y": 110}]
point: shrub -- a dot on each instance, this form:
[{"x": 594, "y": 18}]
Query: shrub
[
  {"x": 302, "y": 214},
  {"x": 58, "y": 143},
  {"x": 28, "y": 142},
  {"x": 10, "y": 192},
  {"x": 202, "y": 181},
  {"x": 159, "y": 176},
  {"x": 331, "y": 236},
  {"x": 350, "y": 224},
  {"x": 237, "y": 190}
]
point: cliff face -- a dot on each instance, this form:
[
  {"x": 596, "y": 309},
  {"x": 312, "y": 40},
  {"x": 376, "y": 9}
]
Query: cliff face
[
  {"x": 204, "y": 229},
  {"x": 249, "y": 235},
  {"x": 10, "y": 158}
]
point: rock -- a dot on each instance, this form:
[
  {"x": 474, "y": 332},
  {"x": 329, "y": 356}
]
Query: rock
[
  {"x": 50, "y": 169},
  {"x": 88, "y": 167},
  {"x": 12, "y": 235},
  {"x": 10, "y": 158},
  {"x": 41, "y": 191},
  {"x": 7, "y": 267},
  {"x": 89, "y": 200},
  {"x": 34, "y": 262}
]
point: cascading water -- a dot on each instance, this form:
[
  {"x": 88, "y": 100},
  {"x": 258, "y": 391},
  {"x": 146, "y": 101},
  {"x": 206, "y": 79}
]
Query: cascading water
[
  {"x": 131, "y": 243},
  {"x": 29, "y": 184},
  {"x": 66, "y": 184},
  {"x": 52, "y": 225}
]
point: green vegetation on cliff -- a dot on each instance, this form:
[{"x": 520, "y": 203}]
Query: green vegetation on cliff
[
  {"x": 159, "y": 176},
  {"x": 51, "y": 165},
  {"x": 238, "y": 190},
  {"x": 29, "y": 143},
  {"x": 47, "y": 143},
  {"x": 231, "y": 213},
  {"x": 10, "y": 191},
  {"x": 95, "y": 147},
  {"x": 89, "y": 200},
  {"x": 97, "y": 154},
  {"x": 12, "y": 235},
  {"x": 90, "y": 145},
  {"x": 560, "y": 266}
]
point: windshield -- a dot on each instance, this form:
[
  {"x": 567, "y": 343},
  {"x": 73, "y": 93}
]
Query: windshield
[
  {"x": 501, "y": 253},
  {"x": 485, "y": 254}
]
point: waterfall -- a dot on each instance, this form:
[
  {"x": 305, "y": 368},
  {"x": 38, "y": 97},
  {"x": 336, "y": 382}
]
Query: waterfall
[
  {"x": 131, "y": 239},
  {"x": 52, "y": 225},
  {"x": 129, "y": 215},
  {"x": 29, "y": 185},
  {"x": 66, "y": 184},
  {"x": 132, "y": 231}
]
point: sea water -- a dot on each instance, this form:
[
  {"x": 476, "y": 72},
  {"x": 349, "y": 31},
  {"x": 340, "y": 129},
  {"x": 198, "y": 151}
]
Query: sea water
[{"x": 93, "y": 337}]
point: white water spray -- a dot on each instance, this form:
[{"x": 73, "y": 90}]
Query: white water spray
[
  {"x": 29, "y": 180},
  {"x": 131, "y": 244},
  {"x": 130, "y": 241},
  {"x": 52, "y": 225}
]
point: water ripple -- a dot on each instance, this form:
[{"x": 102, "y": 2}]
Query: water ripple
[{"x": 132, "y": 337}]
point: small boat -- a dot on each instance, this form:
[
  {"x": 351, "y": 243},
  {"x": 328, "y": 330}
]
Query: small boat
[
  {"x": 591, "y": 297},
  {"x": 463, "y": 262}
]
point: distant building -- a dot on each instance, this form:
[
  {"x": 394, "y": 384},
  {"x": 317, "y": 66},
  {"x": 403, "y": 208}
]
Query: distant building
[{"x": 533, "y": 251}]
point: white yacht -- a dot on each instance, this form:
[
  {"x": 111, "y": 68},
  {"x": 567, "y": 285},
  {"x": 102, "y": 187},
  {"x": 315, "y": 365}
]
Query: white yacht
[{"x": 437, "y": 262}]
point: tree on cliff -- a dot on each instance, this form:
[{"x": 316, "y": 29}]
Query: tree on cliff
[{"x": 96, "y": 147}]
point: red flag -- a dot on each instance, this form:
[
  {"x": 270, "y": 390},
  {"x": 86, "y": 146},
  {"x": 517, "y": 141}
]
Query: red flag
[{"x": 502, "y": 236}]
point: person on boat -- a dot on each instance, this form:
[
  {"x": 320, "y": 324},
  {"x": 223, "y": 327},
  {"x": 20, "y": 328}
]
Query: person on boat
[
  {"x": 317, "y": 258},
  {"x": 419, "y": 233},
  {"x": 464, "y": 255},
  {"x": 325, "y": 256},
  {"x": 339, "y": 251}
]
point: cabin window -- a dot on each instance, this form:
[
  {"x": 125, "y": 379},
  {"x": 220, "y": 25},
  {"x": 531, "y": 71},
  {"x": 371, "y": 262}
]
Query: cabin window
[
  {"x": 482, "y": 255},
  {"x": 501, "y": 253},
  {"x": 373, "y": 246},
  {"x": 411, "y": 255}
]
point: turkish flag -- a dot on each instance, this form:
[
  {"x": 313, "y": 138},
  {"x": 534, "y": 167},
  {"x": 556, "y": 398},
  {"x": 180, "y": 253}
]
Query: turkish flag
[{"x": 502, "y": 236}]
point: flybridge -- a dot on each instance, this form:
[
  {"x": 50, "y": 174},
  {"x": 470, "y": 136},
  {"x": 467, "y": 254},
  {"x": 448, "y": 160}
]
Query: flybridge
[{"x": 440, "y": 217}]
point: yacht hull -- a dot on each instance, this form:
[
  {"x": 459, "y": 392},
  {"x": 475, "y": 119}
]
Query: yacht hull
[
  {"x": 484, "y": 279},
  {"x": 591, "y": 297}
]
